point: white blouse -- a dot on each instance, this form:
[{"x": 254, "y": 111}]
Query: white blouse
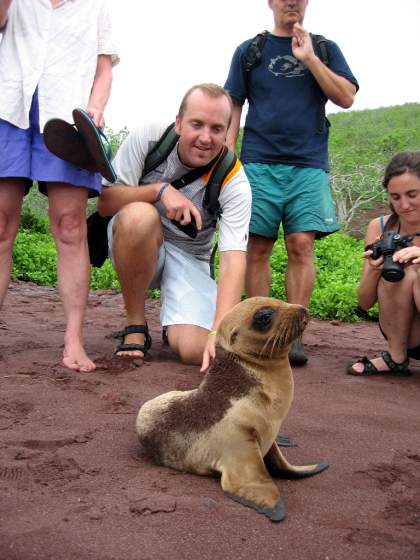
[{"x": 54, "y": 49}]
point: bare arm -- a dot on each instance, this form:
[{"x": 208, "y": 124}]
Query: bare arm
[
  {"x": 368, "y": 288},
  {"x": 4, "y": 12},
  {"x": 113, "y": 198},
  {"x": 232, "y": 133},
  {"x": 178, "y": 207},
  {"x": 232, "y": 265},
  {"x": 101, "y": 90},
  {"x": 338, "y": 89}
]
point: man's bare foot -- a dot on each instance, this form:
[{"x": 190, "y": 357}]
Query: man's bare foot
[{"x": 75, "y": 358}]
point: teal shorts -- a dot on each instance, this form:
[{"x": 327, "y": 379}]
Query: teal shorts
[{"x": 297, "y": 197}]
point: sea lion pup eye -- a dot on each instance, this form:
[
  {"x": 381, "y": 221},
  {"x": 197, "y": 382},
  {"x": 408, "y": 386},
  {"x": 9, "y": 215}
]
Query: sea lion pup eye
[{"x": 263, "y": 319}]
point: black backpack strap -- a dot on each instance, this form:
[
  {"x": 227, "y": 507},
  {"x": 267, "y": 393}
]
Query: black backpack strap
[
  {"x": 221, "y": 170},
  {"x": 161, "y": 150},
  {"x": 254, "y": 54},
  {"x": 320, "y": 44},
  {"x": 224, "y": 165},
  {"x": 254, "y": 51}
]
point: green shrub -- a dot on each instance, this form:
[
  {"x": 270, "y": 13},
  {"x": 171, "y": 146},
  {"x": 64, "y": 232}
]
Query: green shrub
[
  {"x": 34, "y": 257},
  {"x": 33, "y": 220},
  {"x": 338, "y": 263}
]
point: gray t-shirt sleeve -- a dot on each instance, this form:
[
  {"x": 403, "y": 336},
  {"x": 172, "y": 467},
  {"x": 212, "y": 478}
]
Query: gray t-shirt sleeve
[{"x": 129, "y": 160}]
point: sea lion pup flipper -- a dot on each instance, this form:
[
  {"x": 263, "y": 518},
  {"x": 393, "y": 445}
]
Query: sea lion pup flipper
[
  {"x": 279, "y": 467},
  {"x": 246, "y": 480}
]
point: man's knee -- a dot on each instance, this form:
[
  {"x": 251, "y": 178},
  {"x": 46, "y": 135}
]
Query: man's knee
[
  {"x": 188, "y": 342},
  {"x": 190, "y": 356},
  {"x": 300, "y": 247},
  {"x": 137, "y": 221},
  {"x": 259, "y": 248}
]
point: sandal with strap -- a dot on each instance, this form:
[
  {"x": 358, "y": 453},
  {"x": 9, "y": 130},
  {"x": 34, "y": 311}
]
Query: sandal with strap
[
  {"x": 400, "y": 369},
  {"x": 131, "y": 329}
]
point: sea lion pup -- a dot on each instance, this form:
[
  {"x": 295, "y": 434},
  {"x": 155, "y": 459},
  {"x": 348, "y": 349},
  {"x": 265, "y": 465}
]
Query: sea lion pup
[{"x": 227, "y": 426}]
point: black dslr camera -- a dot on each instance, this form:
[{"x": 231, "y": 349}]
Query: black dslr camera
[{"x": 386, "y": 246}]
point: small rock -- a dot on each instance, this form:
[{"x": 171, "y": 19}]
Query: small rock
[{"x": 153, "y": 504}]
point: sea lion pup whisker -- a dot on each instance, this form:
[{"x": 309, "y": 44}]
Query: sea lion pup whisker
[{"x": 228, "y": 425}]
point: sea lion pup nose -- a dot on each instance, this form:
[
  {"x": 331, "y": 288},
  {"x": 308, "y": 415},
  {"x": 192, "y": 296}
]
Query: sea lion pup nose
[{"x": 227, "y": 426}]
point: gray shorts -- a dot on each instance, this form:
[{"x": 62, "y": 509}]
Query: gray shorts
[{"x": 187, "y": 291}]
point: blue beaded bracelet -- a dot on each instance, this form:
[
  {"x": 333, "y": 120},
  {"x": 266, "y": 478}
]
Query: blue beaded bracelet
[{"x": 161, "y": 191}]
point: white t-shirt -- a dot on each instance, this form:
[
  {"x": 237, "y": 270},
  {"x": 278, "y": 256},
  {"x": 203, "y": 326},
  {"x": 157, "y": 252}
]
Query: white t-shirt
[
  {"x": 54, "y": 49},
  {"x": 234, "y": 199}
]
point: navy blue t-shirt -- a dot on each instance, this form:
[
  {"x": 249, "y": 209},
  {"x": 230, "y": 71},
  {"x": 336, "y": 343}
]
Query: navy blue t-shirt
[{"x": 283, "y": 121}]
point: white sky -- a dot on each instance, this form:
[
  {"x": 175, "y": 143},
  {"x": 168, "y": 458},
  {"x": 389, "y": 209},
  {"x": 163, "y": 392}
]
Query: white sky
[{"x": 166, "y": 46}]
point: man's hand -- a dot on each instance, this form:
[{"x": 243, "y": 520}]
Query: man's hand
[
  {"x": 180, "y": 208},
  {"x": 209, "y": 353},
  {"x": 302, "y": 47},
  {"x": 97, "y": 116}
]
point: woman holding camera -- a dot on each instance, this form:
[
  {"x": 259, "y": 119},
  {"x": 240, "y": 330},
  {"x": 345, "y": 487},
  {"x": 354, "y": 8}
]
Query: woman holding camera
[{"x": 399, "y": 301}]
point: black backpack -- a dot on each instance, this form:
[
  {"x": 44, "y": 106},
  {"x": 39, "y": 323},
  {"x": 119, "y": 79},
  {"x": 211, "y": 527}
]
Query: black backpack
[
  {"x": 221, "y": 166},
  {"x": 254, "y": 54}
]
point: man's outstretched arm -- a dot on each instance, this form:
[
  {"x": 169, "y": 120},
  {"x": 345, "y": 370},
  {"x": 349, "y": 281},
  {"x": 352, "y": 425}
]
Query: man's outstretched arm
[{"x": 232, "y": 265}]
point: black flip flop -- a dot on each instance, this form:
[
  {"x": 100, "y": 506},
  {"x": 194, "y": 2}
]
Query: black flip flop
[
  {"x": 92, "y": 135},
  {"x": 64, "y": 141}
]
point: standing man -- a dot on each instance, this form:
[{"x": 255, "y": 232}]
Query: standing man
[
  {"x": 285, "y": 147},
  {"x": 149, "y": 250},
  {"x": 55, "y": 55}
]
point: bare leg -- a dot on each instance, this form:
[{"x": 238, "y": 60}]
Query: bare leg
[
  {"x": 188, "y": 341},
  {"x": 396, "y": 326},
  {"x": 137, "y": 237},
  {"x": 67, "y": 209},
  {"x": 11, "y": 196},
  {"x": 258, "y": 271},
  {"x": 300, "y": 271}
]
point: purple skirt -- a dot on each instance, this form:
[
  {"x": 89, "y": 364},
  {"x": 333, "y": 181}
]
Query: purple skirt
[{"x": 24, "y": 155}]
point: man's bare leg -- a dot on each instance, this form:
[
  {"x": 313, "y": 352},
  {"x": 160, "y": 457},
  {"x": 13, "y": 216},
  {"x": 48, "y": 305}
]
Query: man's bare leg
[
  {"x": 299, "y": 281},
  {"x": 137, "y": 237},
  {"x": 67, "y": 210},
  {"x": 188, "y": 341},
  {"x": 258, "y": 270},
  {"x": 11, "y": 196},
  {"x": 300, "y": 271}
]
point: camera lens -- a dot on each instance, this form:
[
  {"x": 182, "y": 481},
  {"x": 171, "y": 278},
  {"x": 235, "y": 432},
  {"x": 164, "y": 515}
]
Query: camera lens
[{"x": 392, "y": 271}]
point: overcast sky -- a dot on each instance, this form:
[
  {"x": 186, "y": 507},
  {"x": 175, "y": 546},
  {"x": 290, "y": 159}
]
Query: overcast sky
[{"x": 168, "y": 45}]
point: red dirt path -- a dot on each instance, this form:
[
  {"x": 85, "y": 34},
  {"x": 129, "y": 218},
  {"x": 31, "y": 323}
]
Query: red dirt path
[{"x": 74, "y": 485}]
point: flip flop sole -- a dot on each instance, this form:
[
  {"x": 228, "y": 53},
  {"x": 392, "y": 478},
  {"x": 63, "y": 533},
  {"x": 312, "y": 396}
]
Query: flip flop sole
[
  {"x": 65, "y": 142},
  {"x": 92, "y": 138}
]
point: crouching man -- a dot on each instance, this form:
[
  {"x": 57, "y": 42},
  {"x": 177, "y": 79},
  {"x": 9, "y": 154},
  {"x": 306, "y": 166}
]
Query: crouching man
[{"x": 151, "y": 234}]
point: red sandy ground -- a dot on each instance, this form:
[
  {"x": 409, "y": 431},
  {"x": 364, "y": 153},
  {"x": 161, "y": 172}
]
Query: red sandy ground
[{"x": 74, "y": 484}]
